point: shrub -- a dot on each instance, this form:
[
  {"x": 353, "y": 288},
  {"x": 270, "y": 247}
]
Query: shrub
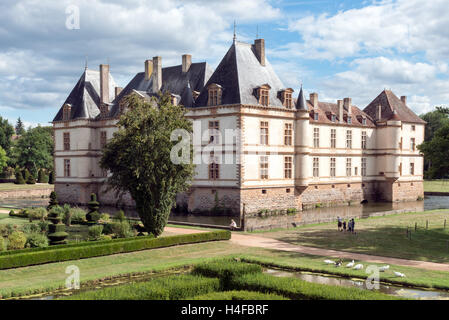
[
  {"x": 37, "y": 240},
  {"x": 67, "y": 215},
  {"x": 120, "y": 215},
  {"x": 43, "y": 225},
  {"x": 16, "y": 240},
  {"x": 3, "y": 244},
  {"x": 86, "y": 249},
  {"x": 19, "y": 178},
  {"x": 78, "y": 215},
  {"x": 51, "y": 177},
  {"x": 31, "y": 228},
  {"x": 4, "y": 232},
  {"x": 37, "y": 214},
  {"x": 53, "y": 200},
  {"x": 40, "y": 176},
  {"x": 119, "y": 229},
  {"x": 239, "y": 295},
  {"x": 56, "y": 211},
  {"x": 105, "y": 237},
  {"x": 291, "y": 211},
  {"x": 105, "y": 217},
  {"x": 93, "y": 215},
  {"x": 31, "y": 179},
  {"x": 11, "y": 213},
  {"x": 94, "y": 232}
]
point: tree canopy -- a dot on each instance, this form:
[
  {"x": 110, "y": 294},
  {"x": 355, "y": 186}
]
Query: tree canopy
[
  {"x": 436, "y": 152},
  {"x": 6, "y": 132},
  {"x": 435, "y": 120},
  {"x": 3, "y": 159},
  {"x": 20, "y": 128},
  {"x": 139, "y": 158}
]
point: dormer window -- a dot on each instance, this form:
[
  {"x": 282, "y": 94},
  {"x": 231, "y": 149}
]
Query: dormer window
[
  {"x": 315, "y": 116},
  {"x": 364, "y": 121},
  {"x": 263, "y": 93},
  {"x": 349, "y": 119},
  {"x": 333, "y": 118},
  {"x": 66, "y": 111},
  {"x": 214, "y": 91},
  {"x": 286, "y": 98}
]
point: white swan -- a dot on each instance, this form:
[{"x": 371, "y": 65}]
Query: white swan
[
  {"x": 329, "y": 261},
  {"x": 350, "y": 264},
  {"x": 358, "y": 266},
  {"x": 384, "y": 268},
  {"x": 399, "y": 274}
]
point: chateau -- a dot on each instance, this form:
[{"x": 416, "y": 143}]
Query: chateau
[{"x": 291, "y": 152}]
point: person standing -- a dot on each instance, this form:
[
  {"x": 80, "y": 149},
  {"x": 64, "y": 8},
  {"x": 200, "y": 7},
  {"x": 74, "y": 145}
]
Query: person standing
[
  {"x": 352, "y": 225},
  {"x": 233, "y": 225},
  {"x": 344, "y": 225},
  {"x": 339, "y": 223}
]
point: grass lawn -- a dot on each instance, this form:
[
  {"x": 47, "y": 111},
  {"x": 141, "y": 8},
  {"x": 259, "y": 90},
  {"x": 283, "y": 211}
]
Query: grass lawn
[
  {"x": 383, "y": 236},
  {"x": 436, "y": 185},
  {"x": 13, "y": 186}
]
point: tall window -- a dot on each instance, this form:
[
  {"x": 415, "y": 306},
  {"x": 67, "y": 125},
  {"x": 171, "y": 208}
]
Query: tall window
[
  {"x": 412, "y": 168},
  {"x": 363, "y": 167},
  {"x": 214, "y": 167},
  {"x": 316, "y": 137},
  {"x": 103, "y": 139},
  {"x": 333, "y": 118},
  {"x": 412, "y": 144},
  {"x": 349, "y": 139},
  {"x": 316, "y": 167},
  {"x": 315, "y": 116},
  {"x": 264, "y": 132},
  {"x": 66, "y": 110},
  {"x": 66, "y": 167},
  {"x": 288, "y": 134},
  {"x": 413, "y": 127},
  {"x": 263, "y": 92},
  {"x": 348, "y": 167},
  {"x": 214, "y": 133},
  {"x": 333, "y": 138},
  {"x": 66, "y": 140},
  {"x": 333, "y": 167},
  {"x": 214, "y": 95},
  {"x": 288, "y": 167},
  {"x": 349, "y": 119},
  {"x": 263, "y": 167},
  {"x": 287, "y": 98},
  {"x": 364, "y": 121},
  {"x": 363, "y": 139}
]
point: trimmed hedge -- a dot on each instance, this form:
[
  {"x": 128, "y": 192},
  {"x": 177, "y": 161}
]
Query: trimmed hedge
[
  {"x": 239, "y": 295},
  {"x": 298, "y": 289},
  {"x": 33, "y": 256},
  {"x": 167, "y": 288}
]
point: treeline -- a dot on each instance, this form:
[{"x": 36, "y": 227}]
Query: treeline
[
  {"x": 436, "y": 144},
  {"x": 26, "y": 155}
]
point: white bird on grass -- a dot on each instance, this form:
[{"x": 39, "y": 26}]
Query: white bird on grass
[
  {"x": 358, "y": 266},
  {"x": 329, "y": 261},
  {"x": 399, "y": 274},
  {"x": 384, "y": 268},
  {"x": 350, "y": 264}
]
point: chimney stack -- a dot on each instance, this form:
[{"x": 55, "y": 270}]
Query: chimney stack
[
  {"x": 104, "y": 83},
  {"x": 186, "y": 62},
  {"x": 117, "y": 91},
  {"x": 379, "y": 112},
  {"x": 340, "y": 110},
  {"x": 404, "y": 99},
  {"x": 314, "y": 100},
  {"x": 347, "y": 103},
  {"x": 148, "y": 69},
  {"x": 259, "y": 46},
  {"x": 157, "y": 74}
]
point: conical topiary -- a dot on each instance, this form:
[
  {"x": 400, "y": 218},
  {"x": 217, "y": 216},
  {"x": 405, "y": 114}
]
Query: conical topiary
[
  {"x": 93, "y": 215},
  {"x": 53, "y": 200},
  {"x": 41, "y": 176},
  {"x": 19, "y": 178},
  {"x": 25, "y": 174},
  {"x": 51, "y": 178},
  {"x": 31, "y": 180},
  {"x": 56, "y": 230}
]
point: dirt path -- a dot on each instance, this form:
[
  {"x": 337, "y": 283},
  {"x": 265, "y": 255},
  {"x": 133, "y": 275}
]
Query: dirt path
[{"x": 267, "y": 243}]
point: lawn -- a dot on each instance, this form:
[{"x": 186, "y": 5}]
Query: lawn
[
  {"x": 436, "y": 185},
  {"x": 13, "y": 186},
  {"x": 382, "y": 236}
]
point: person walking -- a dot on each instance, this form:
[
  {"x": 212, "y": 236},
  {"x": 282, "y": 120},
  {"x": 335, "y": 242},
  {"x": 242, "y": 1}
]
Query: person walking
[
  {"x": 339, "y": 223},
  {"x": 344, "y": 225},
  {"x": 352, "y": 225}
]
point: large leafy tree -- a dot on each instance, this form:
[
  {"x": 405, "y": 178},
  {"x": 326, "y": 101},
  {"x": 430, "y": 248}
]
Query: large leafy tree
[
  {"x": 34, "y": 149},
  {"x": 436, "y": 151},
  {"x": 20, "y": 128},
  {"x": 6, "y": 132},
  {"x": 3, "y": 159},
  {"x": 138, "y": 157},
  {"x": 435, "y": 120}
]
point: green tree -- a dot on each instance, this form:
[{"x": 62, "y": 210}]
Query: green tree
[
  {"x": 138, "y": 157},
  {"x": 34, "y": 149},
  {"x": 436, "y": 151},
  {"x": 6, "y": 132},
  {"x": 20, "y": 128},
  {"x": 435, "y": 120},
  {"x": 3, "y": 159}
]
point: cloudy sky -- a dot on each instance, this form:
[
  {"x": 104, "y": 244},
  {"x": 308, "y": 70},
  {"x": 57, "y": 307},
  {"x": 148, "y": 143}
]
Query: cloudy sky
[{"x": 336, "y": 48}]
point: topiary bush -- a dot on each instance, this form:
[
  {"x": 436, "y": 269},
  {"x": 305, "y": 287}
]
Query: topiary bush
[
  {"x": 94, "y": 232},
  {"x": 36, "y": 240},
  {"x": 16, "y": 240},
  {"x": 119, "y": 229},
  {"x": 93, "y": 215},
  {"x": 51, "y": 177},
  {"x": 67, "y": 215},
  {"x": 19, "y": 178},
  {"x": 43, "y": 225},
  {"x": 105, "y": 217},
  {"x": 120, "y": 215},
  {"x": 56, "y": 230},
  {"x": 53, "y": 200},
  {"x": 41, "y": 176},
  {"x": 30, "y": 179}
]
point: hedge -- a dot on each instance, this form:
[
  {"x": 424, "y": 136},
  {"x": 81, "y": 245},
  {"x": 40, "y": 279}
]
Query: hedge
[
  {"x": 33, "y": 256},
  {"x": 238, "y": 295},
  {"x": 167, "y": 288}
]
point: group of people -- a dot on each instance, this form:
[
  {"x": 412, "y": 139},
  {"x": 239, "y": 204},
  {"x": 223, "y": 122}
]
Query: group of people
[{"x": 346, "y": 226}]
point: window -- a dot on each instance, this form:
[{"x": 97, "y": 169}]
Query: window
[
  {"x": 363, "y": 139},
  {"x": 316, "y": 137},
  {"x": 288, "y": 134},
  {"x": 315, "y": 116},
  {"x": 356, "y": 171},
  {"x": 349, "y": 139},
  {"x": 400, "y": 169},
  {"x": 363, "y": 167},
  {"x": 214, "y": 132},
  {"x": 264, "y": 167},
  {"x": 412, "y": 168},
  {"x": 333, "y": 138},
  {"x": 364, "y": 121},
  {"x": 316, "y": 167},
  {"x": 333, "y": 118},
  {"x": 264, "y": 132},
  {"x": 413, "y": 127},
  {"x": 288, "y": 167},
  {"x": 66, "y": 111},
  {"x": 412, "y": 144},
  {"x": 214, "y": 167},
  {"x": 66, "y": 167},
  {"x": 103, "y": 139},
  {"x": 348, "y": 167},
  {"x": 66, "y": 140},
  {"x": 214, "y": 95},
  {"x": 349, "y": 119},
  {"x": 287, "y": 98},
  {"x": 333, "y": 167},
  {"x": 263, "y": 93}
]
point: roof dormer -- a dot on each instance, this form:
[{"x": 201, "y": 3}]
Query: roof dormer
[
  {"x": 214, "y": 94},
  {"x": 286, "y": 98},
  {"x": 263, "y": 94}
]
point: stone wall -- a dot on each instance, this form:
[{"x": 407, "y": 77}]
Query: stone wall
[
  {"x": 204, "y": 199},
  {"x": 255, "y": 200},
  {"x": 28, "y": 193}
]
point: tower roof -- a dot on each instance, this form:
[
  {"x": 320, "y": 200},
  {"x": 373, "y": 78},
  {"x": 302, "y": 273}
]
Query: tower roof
[{"x": 301, "y": 102}]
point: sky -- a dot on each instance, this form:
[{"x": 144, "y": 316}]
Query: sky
[{"x": 335, "y": 48}]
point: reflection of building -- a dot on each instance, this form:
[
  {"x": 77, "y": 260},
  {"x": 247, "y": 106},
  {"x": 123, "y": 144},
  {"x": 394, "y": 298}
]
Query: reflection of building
[{"x": 291, "y": 152}]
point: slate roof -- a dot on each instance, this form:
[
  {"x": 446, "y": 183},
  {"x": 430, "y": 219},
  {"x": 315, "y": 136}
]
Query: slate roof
[
  {"x": 85, "y": 96},
  {"x": 326, "y": 109},
  {"x": 389, "y": 102},
  {"x": 301, "y": 101},
  {"x": 173, "y": 80},
  {"x": 240, "y": 73}
]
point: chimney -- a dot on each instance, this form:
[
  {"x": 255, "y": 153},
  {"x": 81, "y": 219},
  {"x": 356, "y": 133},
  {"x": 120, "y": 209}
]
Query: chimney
[
  {"x": 104, "y": 83},
  {"x": 347, "y": 103},
  {"x": 259, "y": 46},
  {"x": 117, "y": 91},
  {"x": 340, "y": 110},
  {"x": 379, "y": 112},
  {"x": 404, "y": 99},
  {"x": 148, "y": 69},
  {"x": 314, "y": 100},
  {"x": 186, "y": 62},
  {"x": 157, "y": 74}
]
